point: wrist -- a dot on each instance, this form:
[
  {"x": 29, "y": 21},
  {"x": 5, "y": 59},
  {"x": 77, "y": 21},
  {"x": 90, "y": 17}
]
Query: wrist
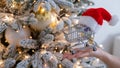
[{"x": 99, "y": 53}]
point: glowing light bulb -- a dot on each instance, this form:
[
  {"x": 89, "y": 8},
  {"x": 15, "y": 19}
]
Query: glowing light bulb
[
  {"x": 97, "y": 60},
  {"x": 60, "y": 65},
  {"x": 101, "y": 46},
  {"x": 17, "y": 31},
  {"x": 33, "y": 50},
  {"x": 78, "y": 62},
  {"x": 30, "y": 37},
  {"x": 78, "y": 0},
  {"x": 27, "y": 56},
  {"x": 67, "y": 15},
  {"x": 20, "y": 52},
  {"x": 1, "y": 62},
  {"x": 45, "y": 65},
  {"x": 61, "y": 9},
  {"x": 61, "y": 51},
  {"x": 24, "y": 26},
  {"x": 42, "y": 10},
  {"x": 43, "y": 52}
]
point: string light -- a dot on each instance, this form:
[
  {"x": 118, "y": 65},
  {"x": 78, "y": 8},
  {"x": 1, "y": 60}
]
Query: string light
[
  {"x": 17, "y": 31},
  {"x": 42, "y": 10},
  {"x": 20, "y": 52},
  {"x": 33, "y": 50},
  {"x": 60, "y": 65},
  {"x": 24, "y": 26},
  {"x": 30, "y": 37},
  {"x": 61, "y": 51},
  {"x": 13, "y": 6},
  {"x": 61, "y": 9},
  {"x": 45, "y": 65},
  {"x": 97, "y": 60},
  {"x": 78, "y": 63},
  {"x": 1, "y": 62},
  {"x": 101, "y": 46},
  {"x": 27, "y": 56},
  {"x": 67, "y": 15},
  {"x": 6, "y": 41},
  {"x": 78, "y": 0},
  {"x": 43, "y": 52}
]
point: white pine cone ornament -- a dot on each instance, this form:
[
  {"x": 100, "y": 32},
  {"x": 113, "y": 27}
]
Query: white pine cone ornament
[{"x": 14, "y": 37}]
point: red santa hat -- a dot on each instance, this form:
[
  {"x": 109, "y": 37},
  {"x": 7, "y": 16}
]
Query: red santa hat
[{"x": 94, "y": 17}]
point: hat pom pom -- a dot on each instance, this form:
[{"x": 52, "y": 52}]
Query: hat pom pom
[{"x": 114, "y": 20}]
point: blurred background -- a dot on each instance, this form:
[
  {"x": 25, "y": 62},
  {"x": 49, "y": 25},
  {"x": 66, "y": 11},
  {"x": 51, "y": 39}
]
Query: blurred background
[{"x": 109, "y": 36}]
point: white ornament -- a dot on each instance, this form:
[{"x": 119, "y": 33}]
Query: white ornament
[{"x": 14, "y": 37}]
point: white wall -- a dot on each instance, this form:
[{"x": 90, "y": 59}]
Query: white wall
[{"x": 107, "y": 33}]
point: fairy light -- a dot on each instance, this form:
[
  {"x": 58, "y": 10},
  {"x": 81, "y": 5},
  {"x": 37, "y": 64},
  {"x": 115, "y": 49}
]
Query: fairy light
[
  {"x": 43, "y": 52},
  {"x": 67, "y": 15},
  {"x": 65, "y": 51},
  {"x": 20, "y": 52},
  {"x": 61, "y": 51},
  {"x": 34, "y": 1},
  {"x": 27, "y": 56},
  {"x": 60, "y": 65},
  {"x": 33, "y": 50},
  {"x": 13, "y": 6},
  {"x": 78, "y": 63},
  {"x": 1, "y": 62},
  {"x": 42, "y": 10},
  {"x": 30, "y": 37},
  {"x": 56, "y": 48},
  {"x": 97, "y": 60},
  {"x": 61, "y": 9},
  {"x": 6, "y": 41},
  {"x": 78, "y": 0},
  {"x": 44, "y": 46},
  {"x": 17, "y": 31},
  {"x": 45, "y": 65},
  {"x": 101, "y": 46},
  {"x": 24, "y": 26}
]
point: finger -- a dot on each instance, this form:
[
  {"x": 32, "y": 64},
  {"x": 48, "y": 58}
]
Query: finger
[
  {"x": 87, "y": 54},
  {"x": 70, "y": 57},
  {"x": 82, "y": 54},
  {"x": 83, "y": 50}
]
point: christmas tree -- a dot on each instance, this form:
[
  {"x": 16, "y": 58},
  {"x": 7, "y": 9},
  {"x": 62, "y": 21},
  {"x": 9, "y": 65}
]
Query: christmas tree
[{"x": 36, "y": 33}]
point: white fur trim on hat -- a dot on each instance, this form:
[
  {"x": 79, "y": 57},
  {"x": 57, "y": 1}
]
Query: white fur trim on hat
[
  {"x": 89, "y": 21},
  {"x": 114, "y": 20}
]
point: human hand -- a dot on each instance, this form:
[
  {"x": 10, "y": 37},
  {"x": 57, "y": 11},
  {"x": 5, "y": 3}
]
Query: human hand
[{"x": 87, "y": 52}]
